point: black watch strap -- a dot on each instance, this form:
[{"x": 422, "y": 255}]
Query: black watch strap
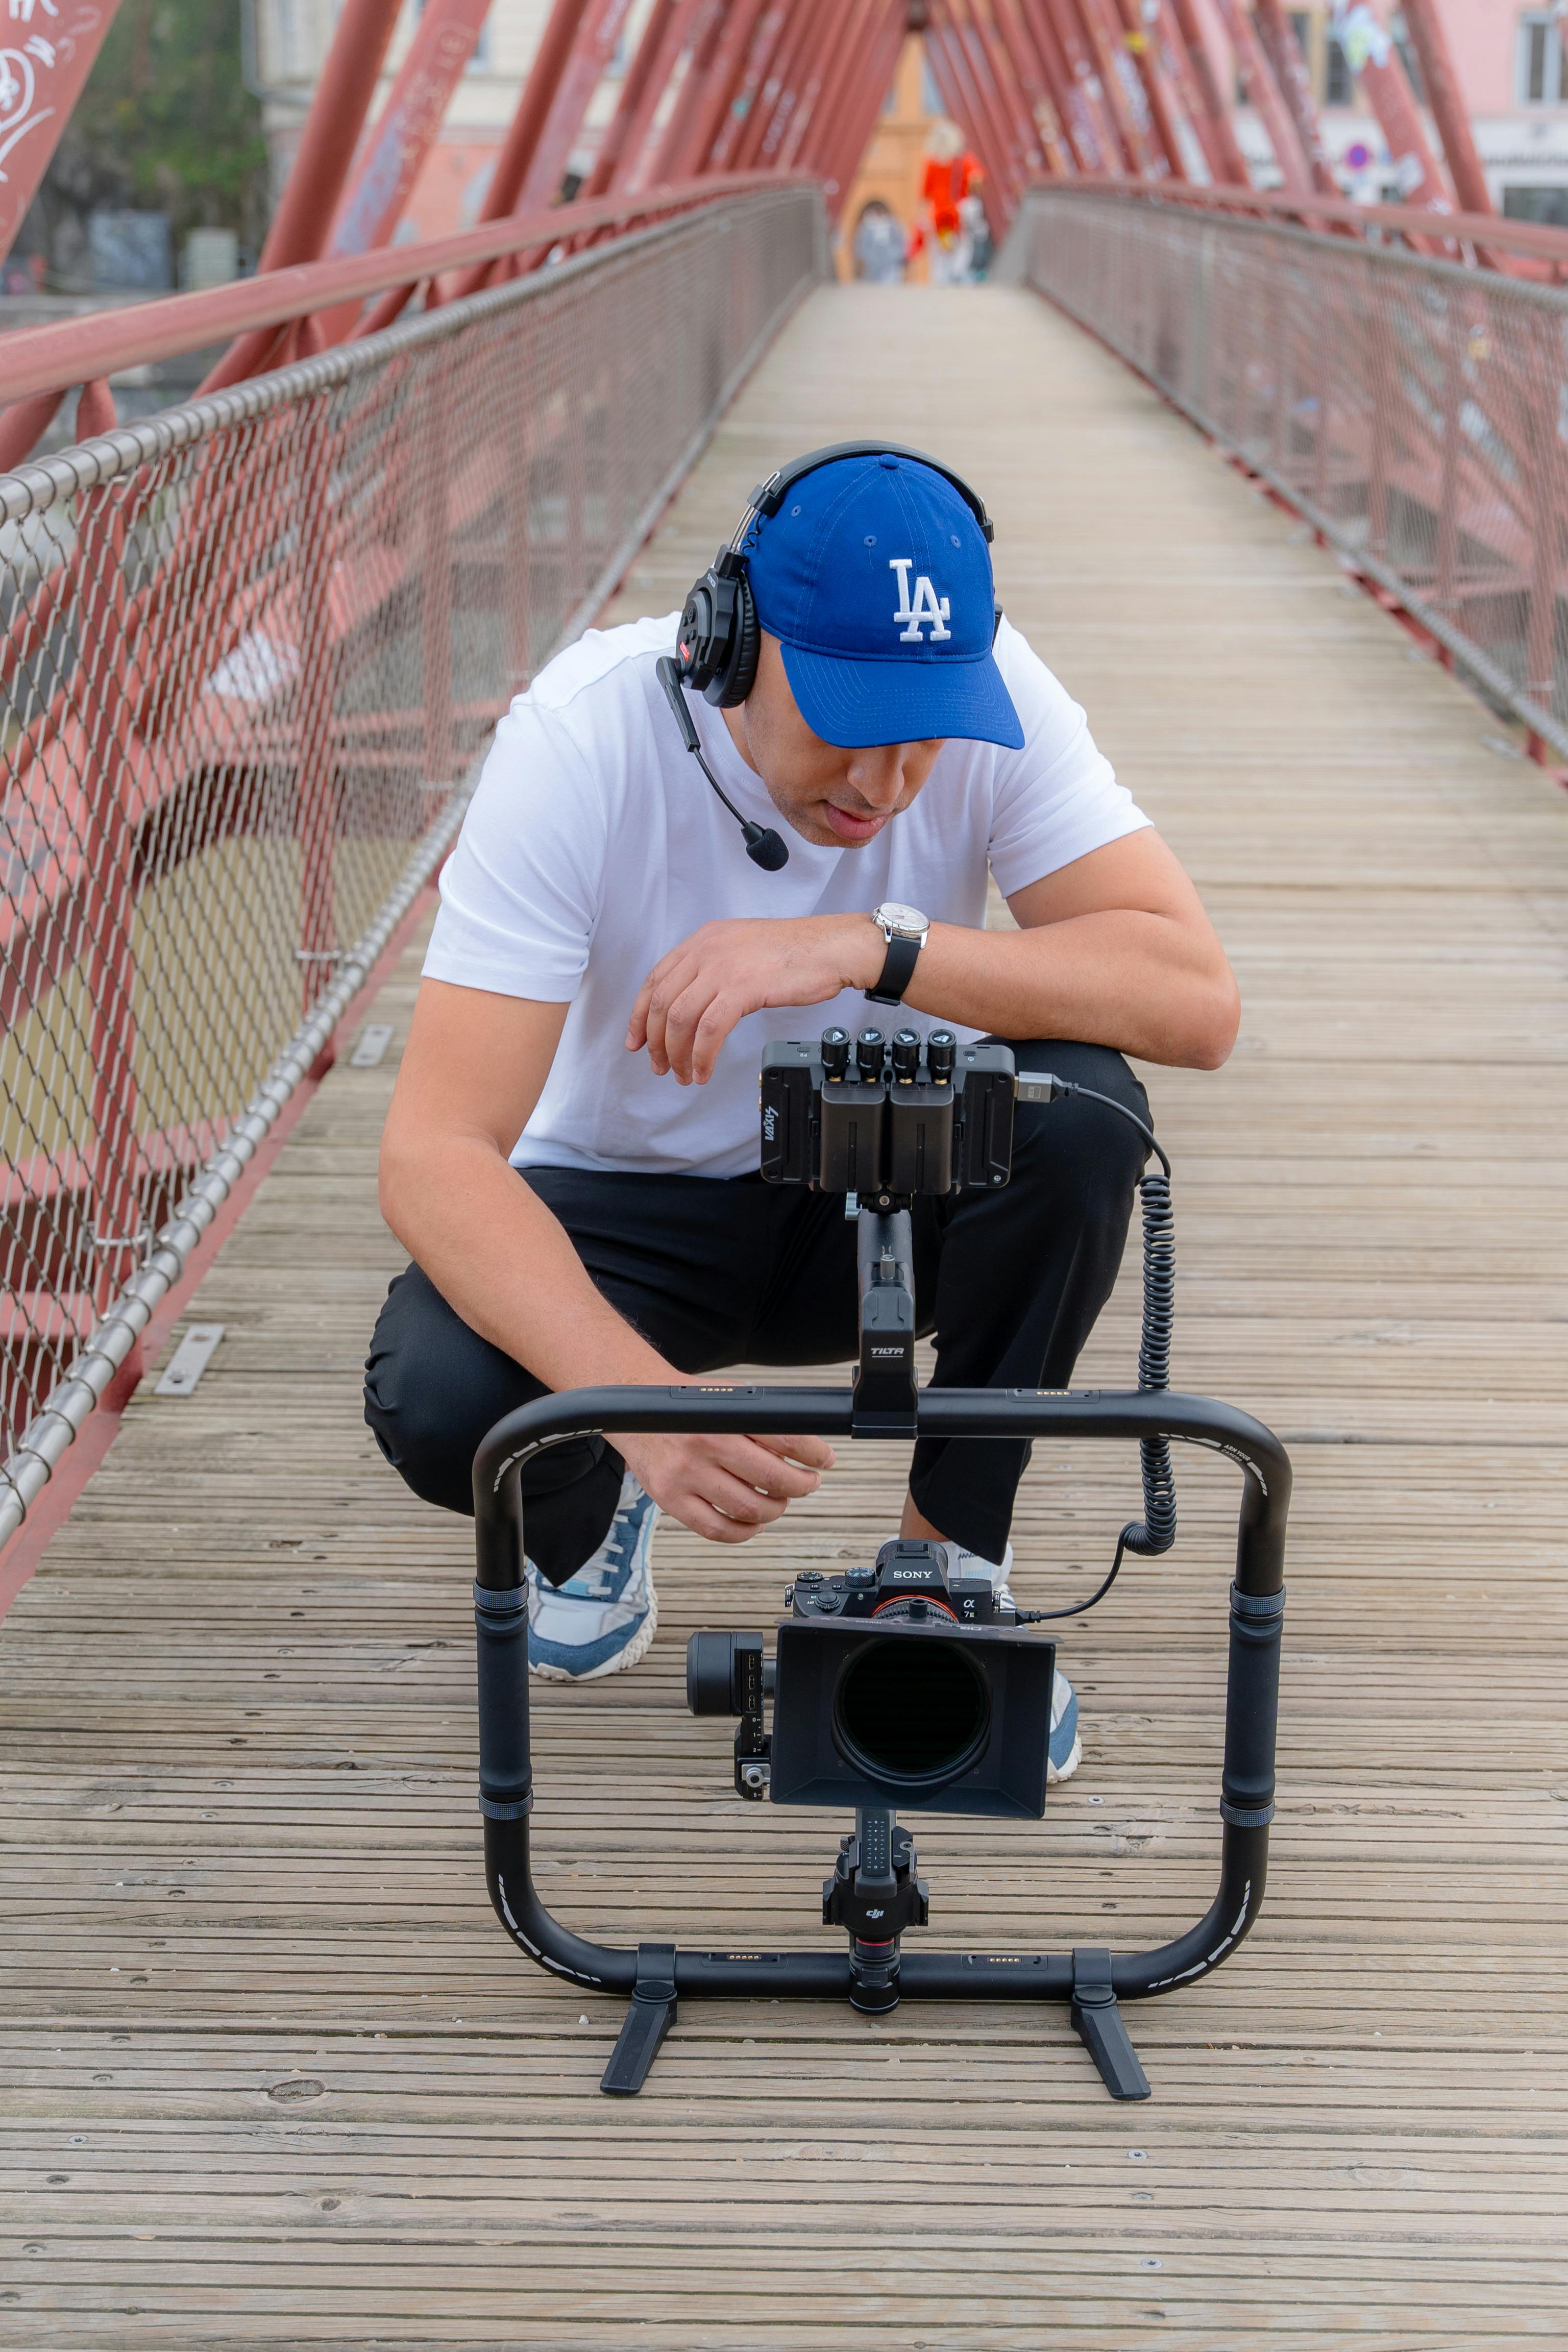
[{"x": 896, "y": 973}]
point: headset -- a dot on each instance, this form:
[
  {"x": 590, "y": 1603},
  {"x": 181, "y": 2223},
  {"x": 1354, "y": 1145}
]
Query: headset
[{"x": 720, "y": 635}]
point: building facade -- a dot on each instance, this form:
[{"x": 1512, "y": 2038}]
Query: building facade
[{"x": 1509, "y": 60}]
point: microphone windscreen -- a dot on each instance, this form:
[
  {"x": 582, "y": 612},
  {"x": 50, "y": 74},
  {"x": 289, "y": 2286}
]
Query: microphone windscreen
[{"x": 765, "y": 850}]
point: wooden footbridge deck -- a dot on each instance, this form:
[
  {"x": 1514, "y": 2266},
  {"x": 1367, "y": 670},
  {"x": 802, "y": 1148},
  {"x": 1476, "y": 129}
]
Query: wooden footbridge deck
[{"x": 272, "y": 2075}]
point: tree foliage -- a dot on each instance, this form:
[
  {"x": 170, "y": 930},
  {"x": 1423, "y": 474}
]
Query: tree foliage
[{"x": 165, "y": 124}]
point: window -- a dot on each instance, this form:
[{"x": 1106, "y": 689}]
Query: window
[
  {"x": 1336, "y": 75},
  {"x": 1549, "y": 206},
  {"x": 1539, "y": 73}
]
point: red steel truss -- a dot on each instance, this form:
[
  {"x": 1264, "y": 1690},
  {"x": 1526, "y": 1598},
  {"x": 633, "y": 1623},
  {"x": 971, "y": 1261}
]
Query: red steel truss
[{"x": 262, "y": 637}]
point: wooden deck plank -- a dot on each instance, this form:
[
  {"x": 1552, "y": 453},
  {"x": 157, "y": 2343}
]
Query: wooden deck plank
[{"x": 270, "y": 2074}]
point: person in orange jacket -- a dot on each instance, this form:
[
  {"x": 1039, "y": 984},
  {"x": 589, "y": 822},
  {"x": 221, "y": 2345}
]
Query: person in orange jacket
[{"x": 952, "y": 176}]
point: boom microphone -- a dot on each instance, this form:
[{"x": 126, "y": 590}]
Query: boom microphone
[{"x": 764, "y": 847}]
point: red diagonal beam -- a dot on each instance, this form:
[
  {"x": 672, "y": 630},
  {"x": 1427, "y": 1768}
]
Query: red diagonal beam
[
  {"x": 1446, "y": 100},
  {"x": 1283, "y": 51},
  {"x": 753, "y": 73},
  {"x": 592, "y": 46},
  {"x": 46, "y": 66}
]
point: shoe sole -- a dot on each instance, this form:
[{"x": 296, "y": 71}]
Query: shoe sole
[
  {"x": 636, "y": 1649},
  {"x": 1065, "y": 1772}
]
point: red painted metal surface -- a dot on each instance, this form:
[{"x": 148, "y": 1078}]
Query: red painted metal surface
[
  {"x": 1385, "y": 86},
  {"x": 44, "y": 61},
  {"x": 260, "y": 642},
  {"x": 1227, "y": 159},
  {"x": 592, "y": 46},
  {"x": 1408, "y": 406},
  {"x": 408, "y": 125},
  {"x": 1446, "y": 101},
  {"x": 1263, "y": 93}
]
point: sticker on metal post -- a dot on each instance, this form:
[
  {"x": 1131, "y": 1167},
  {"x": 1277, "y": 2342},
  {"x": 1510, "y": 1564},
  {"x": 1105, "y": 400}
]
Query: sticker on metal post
[
  {"x": 370, "y": 1045},
  {"x": 190, "y": 1360}
]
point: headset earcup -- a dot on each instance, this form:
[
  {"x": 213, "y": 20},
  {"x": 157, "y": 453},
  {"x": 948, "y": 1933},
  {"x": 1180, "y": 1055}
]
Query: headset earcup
[{"x": 734, "y": 680}]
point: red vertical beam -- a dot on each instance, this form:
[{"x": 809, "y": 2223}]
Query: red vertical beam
[
  {"x": 1086, "y": 134},
  {"x": 592, "y": 46},
  {"x": 1283, "y": 54},
  {"x": 1103, "y": 39},
  {"x": 537, "y": 99},
  {"x": 1446, "y": 100},
  {"x": 407, "y": 125},
  {"x": 828, "y": 28},
  {"x": 1228, "y": 161},
  {"x": 813, "y": 22},
  {"x": 1258, "y": 83},
  {"x": 828, "y": 86},
  {"x": 754, "y": 73},
  {"x": 304, "y": 216},
  {"x": 45, "y": 72},
  {"x": 1370, "y": 51},
  {"x": 1029, "y": 68},
  {"x": 674, "y": 29},
  {"x": 667, "y": 163},
  {"x": 736, "y": 34},
  {"x": 1063, "y": 21},
  {"x": 1010, "y": 99},
  {"x": 1002, "y": 182},
  {"x": 825, "y": 89},
  {"x": 326, "y": 150},
  {"x": 889, "y": 32},
  {"x": 1137, "y": 42},
  {"x": 634, "y": 90},
  {"x": 957, "y": 92}
]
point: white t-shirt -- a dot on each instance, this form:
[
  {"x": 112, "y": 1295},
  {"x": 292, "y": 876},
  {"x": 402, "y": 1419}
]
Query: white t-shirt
[{"x": 594, "y": 845}]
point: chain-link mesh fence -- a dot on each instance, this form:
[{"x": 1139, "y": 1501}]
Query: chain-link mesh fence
[
  {"x": 249, "y": 651},
  {"x": 1413, "y": 409}
]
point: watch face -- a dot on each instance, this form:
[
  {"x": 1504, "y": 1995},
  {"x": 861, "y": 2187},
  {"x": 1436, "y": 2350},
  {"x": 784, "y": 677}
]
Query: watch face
[{"x": 907, "y": 922}]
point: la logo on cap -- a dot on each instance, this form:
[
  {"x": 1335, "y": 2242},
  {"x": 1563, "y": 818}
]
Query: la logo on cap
[{"x": 927, "y": 605}]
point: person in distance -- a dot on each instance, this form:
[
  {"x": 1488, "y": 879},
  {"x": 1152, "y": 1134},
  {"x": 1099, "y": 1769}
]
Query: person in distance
[{"x": 570, "y": 1157}]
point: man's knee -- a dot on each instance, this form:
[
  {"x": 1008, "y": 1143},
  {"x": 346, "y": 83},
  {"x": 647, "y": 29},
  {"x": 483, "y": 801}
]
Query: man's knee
[
  {"x": 432, "y": 1389},
  {"x": 1082, "y": 1157}
]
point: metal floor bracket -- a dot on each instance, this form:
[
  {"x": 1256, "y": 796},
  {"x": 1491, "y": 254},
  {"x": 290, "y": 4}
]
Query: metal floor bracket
[
  {"x": 648, "y": 2021},
  {"x": 1097, "y": 2021}
]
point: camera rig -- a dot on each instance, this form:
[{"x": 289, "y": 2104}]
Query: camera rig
[{"x": 914, "y": 1683}]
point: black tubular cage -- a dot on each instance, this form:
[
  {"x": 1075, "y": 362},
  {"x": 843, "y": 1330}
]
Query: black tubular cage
[{"x": 1256, "y": 1611}]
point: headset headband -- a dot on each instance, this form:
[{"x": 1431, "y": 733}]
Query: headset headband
[{"x": 769, "y": 495}]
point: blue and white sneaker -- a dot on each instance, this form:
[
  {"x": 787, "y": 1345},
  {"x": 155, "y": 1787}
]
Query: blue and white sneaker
[
  {"x": 1065, "y": 1753},
  {"x": 602, "y": 1620}
]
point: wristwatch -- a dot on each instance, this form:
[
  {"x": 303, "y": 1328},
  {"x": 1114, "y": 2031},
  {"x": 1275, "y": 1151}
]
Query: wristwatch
[{"x": 905, "y": 930}]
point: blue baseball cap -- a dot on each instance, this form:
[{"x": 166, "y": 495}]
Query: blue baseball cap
[{"x": 875, "y": 577}]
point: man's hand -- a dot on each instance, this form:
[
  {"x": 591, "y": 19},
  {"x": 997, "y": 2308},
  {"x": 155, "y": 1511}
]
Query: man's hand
[
  {"x": 694, "y": 996},
  {"x": 726, "y": 1489}
]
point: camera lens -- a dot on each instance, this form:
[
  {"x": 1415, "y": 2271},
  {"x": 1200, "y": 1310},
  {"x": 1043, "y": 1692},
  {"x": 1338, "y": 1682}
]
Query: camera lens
[{"x": 911, "y": 1711}]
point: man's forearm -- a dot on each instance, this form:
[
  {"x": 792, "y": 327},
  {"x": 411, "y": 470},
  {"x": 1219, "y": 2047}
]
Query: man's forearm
[
  {"x": 1141, "y": 982},
  {"x": 507, "y": 1266}
]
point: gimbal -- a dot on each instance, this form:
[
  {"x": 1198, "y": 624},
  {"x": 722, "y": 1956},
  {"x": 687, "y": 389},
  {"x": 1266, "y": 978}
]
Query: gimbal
[{"x": 898, "y": 1687}]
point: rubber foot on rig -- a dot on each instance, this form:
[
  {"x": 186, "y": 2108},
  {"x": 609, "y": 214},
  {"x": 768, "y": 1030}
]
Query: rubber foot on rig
[
  {"x": 646, "y": 2021},
  {"x": 1097, "y": 2021}
]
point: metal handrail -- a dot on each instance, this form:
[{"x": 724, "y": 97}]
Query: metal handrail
[{"x": 76, "y": 350}]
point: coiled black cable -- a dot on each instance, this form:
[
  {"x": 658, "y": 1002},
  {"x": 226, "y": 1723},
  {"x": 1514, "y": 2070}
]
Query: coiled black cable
[{"x": 1155, "y": 1532}]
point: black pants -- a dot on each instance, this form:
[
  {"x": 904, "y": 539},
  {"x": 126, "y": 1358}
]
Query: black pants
[{"x": 721, "y": 1271}]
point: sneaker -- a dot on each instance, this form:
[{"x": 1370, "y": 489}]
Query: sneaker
[
  {"x": 1065, "y": 1752},
  {"x": 601, "y": 1619}
]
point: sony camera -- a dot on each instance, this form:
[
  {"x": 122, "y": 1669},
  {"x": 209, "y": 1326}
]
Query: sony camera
[
  {"x": 896, "y": 1684},
  {"x": 873, "y": 1115}
]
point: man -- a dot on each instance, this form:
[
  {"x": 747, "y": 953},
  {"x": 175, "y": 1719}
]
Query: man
[{"x": 572, "y": 1153}]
